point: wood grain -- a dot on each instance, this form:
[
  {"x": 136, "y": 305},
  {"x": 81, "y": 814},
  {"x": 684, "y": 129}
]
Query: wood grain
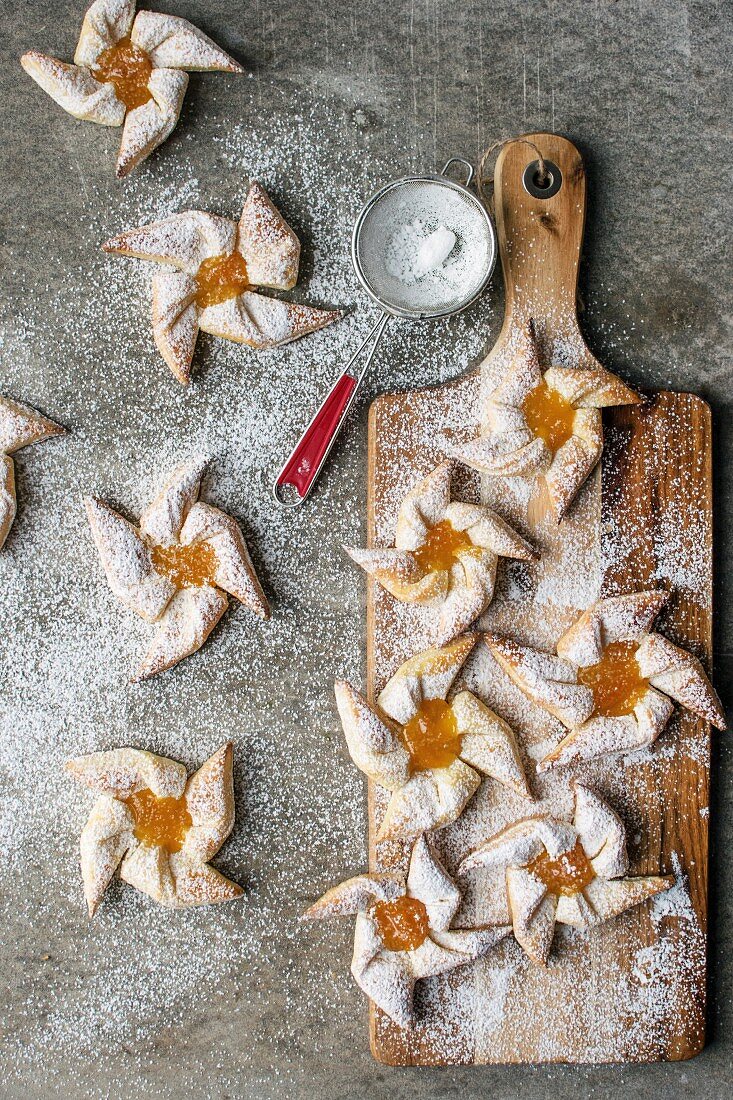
[{"x": 647, "y": 521}]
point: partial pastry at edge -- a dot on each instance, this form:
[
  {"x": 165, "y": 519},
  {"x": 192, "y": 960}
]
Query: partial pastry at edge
[
  {"x": 558, "y": 873},
  {"x": 430, "y": 751},
  {"x": 612, "y": 681},
  {"x": 176, "y": 568},
  {"x": 19, "y": 427},
  {"x": 545, "y": 424},
  {"x": 210, "y": 267},
  {"x": 128, "y": 71},
  {"x": 445, "y": 555},
  {"x": 404, "y": 929},
  {"x": 157, "y": 826}
]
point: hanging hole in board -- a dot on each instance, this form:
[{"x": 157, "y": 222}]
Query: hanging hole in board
[{"x": 542, "y": 186}]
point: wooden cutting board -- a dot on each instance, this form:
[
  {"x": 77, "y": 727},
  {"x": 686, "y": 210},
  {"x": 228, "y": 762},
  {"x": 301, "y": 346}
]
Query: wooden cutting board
[{"x": 634, "y": 989}]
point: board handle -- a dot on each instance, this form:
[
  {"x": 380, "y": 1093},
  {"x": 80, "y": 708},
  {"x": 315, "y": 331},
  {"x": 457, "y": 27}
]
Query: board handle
[{"x": 540, "y": 225}]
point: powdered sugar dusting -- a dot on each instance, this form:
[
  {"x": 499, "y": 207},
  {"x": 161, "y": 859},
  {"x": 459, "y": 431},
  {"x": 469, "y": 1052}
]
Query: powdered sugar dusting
[
  {"x": 575, "y": 997},
  {"x": 138, "y": 972}
]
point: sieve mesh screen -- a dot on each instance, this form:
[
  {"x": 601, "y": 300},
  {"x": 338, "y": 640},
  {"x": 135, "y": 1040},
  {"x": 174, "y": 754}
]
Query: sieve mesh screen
[{"x": 410, "y": 210}]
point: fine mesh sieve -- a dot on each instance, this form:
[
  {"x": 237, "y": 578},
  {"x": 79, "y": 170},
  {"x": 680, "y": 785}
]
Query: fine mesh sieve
[
  {"x": 431, "y": 203},
  {"x": 402, "y": 213}
]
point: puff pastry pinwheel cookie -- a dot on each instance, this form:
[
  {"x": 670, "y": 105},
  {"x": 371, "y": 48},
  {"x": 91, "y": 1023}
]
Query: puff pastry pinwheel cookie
[
  {"x": 176, "y": 567},
  {"x": 612, "y": 681},
  {"x": 403, "y": 929},
  {"x": 129, "y": 71},
  {"x": 19, "y": 427},
  {"x": 216, "y": 263},
  {"x": 546, "y": 424},
  {"x": 445, "y": 554},
  {"x": 562, "y": 873},
  {"x": 158, "y": 826},
  {"x": 430, "y": 751}
]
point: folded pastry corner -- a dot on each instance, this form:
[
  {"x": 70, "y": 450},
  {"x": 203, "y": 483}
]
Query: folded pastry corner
[{"x": 19, "y": 427}]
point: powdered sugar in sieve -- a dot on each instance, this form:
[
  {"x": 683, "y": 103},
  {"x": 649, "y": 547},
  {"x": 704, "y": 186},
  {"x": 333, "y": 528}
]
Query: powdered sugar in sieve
[{"x": 394, "y": 228}]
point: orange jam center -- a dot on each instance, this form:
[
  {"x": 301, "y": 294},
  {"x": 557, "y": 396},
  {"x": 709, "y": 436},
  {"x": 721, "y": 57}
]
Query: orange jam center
[
  {"x": 568, "y": 874},
  {"x": 187, "y": 566},
  {"x": 549, "y": 416},
  {"x": 616, "y": 681},
  {"x": 220, "y": 278},
  {"x": 431, "y": 737},
  {"x": 159, "y": 821},
  {"x": 128, "y": 68},
  {"x": 402, "y": 924},
  {"x": 441, "y": 547}
]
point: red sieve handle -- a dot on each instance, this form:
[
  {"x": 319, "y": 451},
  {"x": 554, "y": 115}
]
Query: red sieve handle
[{"x": 304, "y": 463}]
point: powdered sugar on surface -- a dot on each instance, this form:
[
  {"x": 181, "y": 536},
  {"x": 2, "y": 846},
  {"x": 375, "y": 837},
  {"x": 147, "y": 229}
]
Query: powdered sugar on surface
[
  {"x": 140, "y": 976},
  {"x": 79, "y": 348}
]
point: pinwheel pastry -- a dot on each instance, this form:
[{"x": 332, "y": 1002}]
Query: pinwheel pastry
[
  {"x": 429, "y": 751},
  {"x": 176, "y": 567},
  {"x": 157, "y": 826},
  {"x": 128, "y": 71},
  {"x": 403, "y": 929},
  {"x": 546, "y": 425},
  {"x": 612, "y": 681},
  {"x": 217, "y": 263},
  {"x": 562, "y": 873},
  {"x": 445, "y": 554},
  {"x": 19, "y": 426}
]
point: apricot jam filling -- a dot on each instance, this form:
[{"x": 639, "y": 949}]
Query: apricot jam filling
[
  {"x": 402, "y": 924},
  {"x": 220, "y": 278},
  {"x": 431, "y": 736},
  {"x": 568, "y": 874},
  {"x": 159, "y": 821},
  {"x": 186, "y": 566},
  {"x": 441, "y": 547},
  {"x": 616, "y": 682},
  {"x": 549, "y": 416},
  {"x": 128, "y": 68}
]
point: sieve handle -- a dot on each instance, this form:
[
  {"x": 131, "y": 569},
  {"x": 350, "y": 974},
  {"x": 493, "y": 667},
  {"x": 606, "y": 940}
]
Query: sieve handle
[{"x": 311, "y": 451}]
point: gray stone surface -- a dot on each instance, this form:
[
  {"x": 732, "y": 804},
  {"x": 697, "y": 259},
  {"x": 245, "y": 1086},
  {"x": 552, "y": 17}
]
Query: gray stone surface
[{"x": 342, "y": 96}]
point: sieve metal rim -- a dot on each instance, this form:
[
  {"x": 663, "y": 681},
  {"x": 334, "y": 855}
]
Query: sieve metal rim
[{"x": 414, "y": 314}]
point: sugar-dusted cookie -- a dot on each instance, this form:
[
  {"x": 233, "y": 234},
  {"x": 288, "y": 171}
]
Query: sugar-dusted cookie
[
  {"x": 176, "y": 568},
  {"x": 158, "y": 826},
  {"x": 562, "y": 873},
  {"x": 430, "y": 750},
  {"x": 612, "y": 681},
  {"x": 546, "y": 424},
  {"x": 403, "y": 929},
  {"x": 445, "y": 554},
  {"x": 213, "y": 264},
  {"x": 129, "y": 71},
  {"x": 19, "y": 427}
]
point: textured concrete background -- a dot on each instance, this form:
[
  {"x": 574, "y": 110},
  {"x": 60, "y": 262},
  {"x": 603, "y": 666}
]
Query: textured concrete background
[{"x": 357, "y": 93}]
